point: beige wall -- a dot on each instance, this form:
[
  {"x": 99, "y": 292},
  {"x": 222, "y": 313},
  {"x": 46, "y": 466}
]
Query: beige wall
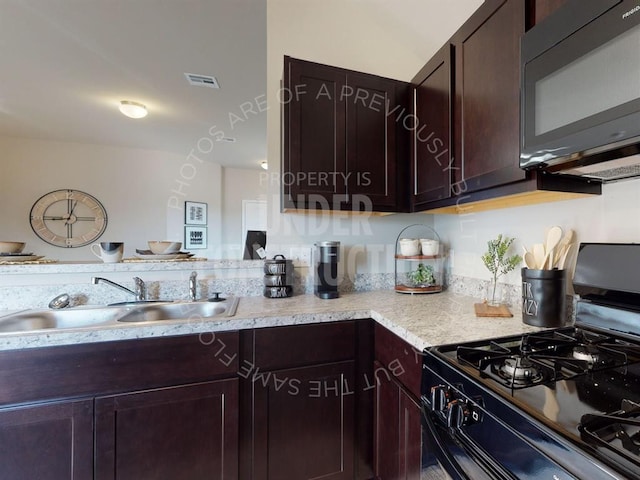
[{"x": 143, "y": 192}]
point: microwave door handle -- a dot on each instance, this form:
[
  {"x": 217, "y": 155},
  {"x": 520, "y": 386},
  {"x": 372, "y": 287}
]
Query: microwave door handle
[{"x": 449, "y": 462}]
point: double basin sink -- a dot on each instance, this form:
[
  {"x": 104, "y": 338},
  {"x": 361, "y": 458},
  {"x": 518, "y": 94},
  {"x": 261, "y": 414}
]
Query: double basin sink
[{"x": 131, "y": 312}]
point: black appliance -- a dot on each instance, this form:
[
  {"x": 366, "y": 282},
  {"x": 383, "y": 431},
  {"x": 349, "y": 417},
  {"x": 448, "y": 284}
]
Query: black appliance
[
  {"x": 561, "y": 403},
  {"x": 327, "y": 256},
  {"x": 581, "y": 91}
]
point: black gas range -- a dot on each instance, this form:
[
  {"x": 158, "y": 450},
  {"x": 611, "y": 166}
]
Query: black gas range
[{"x": 561, "y": 403}]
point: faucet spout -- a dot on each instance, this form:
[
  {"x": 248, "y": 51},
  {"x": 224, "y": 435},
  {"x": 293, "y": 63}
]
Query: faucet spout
[
  {"x": 140, "y": 289},
  {"x": 193, "y": 286}
]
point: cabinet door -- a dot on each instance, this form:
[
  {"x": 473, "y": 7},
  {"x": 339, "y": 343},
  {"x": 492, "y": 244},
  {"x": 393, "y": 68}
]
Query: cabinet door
[
  {"x": 487, "y": 85},
  {"x": 431, "y": 154},
  {"x": 52, "y": 441},
  {"x": 544, "y": 8},
  {"x": 371, "y": 168},
  {"x": 304, "y": 423},
  {"x": 187, "y": 432},
  {"x": 397, "y": 443},
  {"x": 314, "y": 135}
]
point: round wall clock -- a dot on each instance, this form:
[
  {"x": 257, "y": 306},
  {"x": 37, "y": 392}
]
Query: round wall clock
[{"x": 68, "y": 218}]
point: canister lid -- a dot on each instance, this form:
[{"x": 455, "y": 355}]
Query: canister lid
[{"x": 327, "y": 243}]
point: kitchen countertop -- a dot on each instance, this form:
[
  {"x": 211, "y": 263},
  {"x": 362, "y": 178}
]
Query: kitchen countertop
[{"x": 422, "y": 320}]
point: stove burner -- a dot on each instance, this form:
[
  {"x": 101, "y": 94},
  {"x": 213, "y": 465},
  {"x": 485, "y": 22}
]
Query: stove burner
[
  {"x": 586, "y": 353},
  {"x": 520, "y": 370}
]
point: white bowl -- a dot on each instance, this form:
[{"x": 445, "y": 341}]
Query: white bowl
[
  {"x": 164, "y": 247},
  {"x": 409, "y": 247},
  {"x": 11, "y": 247},
  {"x": 429, "y": 247}
]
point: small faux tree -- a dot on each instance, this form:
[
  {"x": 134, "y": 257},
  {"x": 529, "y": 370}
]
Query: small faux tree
[{"x": 497, "y": 261}]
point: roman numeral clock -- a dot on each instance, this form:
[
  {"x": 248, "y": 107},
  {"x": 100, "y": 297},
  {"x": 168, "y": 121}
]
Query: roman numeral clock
[{"x": 68, "y": 218}]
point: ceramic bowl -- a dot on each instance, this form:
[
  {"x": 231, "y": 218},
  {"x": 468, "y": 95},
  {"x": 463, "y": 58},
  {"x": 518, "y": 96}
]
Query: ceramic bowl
[
  {"x": 164, "y": 247},
  {"x": 429, "y": 247},
  {"x": 409, "y": 247},
  {"x": 11, "y": 247}
]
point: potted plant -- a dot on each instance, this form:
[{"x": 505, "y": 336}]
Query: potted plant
[
  {"x": 422, "y": 276},
  {"x": 498, "y": 263}
]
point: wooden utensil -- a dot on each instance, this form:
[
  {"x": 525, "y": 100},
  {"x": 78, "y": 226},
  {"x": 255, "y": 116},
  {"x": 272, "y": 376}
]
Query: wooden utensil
[
  {"x": 563, "y": 246},
  {"x": 529, "y": 260},
  {"x": 539, "y": 255},
  {"x": 554, "y": 235}
]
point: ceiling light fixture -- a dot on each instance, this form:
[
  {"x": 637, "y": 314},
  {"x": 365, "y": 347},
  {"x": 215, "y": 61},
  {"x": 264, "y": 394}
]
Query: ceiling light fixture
[
  {"x": 264, "y": 165},
  {"x": 133, "y": 109}
]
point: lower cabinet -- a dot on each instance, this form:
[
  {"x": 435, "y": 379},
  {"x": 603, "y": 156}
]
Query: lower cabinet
[
  {"x": 186, "y": 432},
  {"x": 397, "y": 414},
  {"x": 304, "y": 423},
  {"x": 49, "y": 441},
  {"x": 397, "y": 430}
]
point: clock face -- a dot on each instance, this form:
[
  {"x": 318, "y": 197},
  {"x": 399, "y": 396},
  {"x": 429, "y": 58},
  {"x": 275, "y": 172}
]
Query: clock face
[{"x": 68, "y": 218}]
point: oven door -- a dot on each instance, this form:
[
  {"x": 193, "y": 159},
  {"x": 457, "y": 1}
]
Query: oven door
[{"x": 447, "y": 456}]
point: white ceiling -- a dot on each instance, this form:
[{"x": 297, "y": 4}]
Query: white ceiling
[{"x": 66, "y": 64}]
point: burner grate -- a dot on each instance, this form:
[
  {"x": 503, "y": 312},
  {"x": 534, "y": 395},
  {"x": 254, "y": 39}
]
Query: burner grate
[{"x": 547, "y": 357}]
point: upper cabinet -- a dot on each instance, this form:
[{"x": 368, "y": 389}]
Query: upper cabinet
[
  {"x": 431, "y": 166},
  {"x": 466, "y": 150},
  {"x": 342, "y": 144},
  {"x": 487, "y": 97}
]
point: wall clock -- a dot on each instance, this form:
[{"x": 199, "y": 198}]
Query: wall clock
[{"x": 68, "y": 218}]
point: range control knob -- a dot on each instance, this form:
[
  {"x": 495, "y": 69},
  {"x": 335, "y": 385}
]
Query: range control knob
[
  {"x": 461, "y": 413},
  {"x": 441, "y": 396}
]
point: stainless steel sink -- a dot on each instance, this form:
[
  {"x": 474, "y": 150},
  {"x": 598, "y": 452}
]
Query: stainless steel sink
[
  {"x": 148, "y": 311},
  {"x": 181, "y": 310},
  {"x": 69, "y": 318}
]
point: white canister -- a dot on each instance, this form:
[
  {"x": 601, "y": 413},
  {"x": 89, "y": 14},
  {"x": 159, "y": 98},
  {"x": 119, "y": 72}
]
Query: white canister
[
  {"x": 409, "y": 247},
  {"x": 429, "y": 247}
]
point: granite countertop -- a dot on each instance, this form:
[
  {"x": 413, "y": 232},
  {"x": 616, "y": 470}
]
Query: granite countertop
[{"x": 422, "y": 320}]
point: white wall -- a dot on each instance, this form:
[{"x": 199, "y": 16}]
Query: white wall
[
  {"x": 143, "y": 192},
  {"x": 613, "y": 216},
  {"x": 238, "y": 184},
  {"x": 391, "y": 39}
]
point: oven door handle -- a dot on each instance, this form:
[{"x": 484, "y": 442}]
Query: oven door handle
[{"x": 448, "y": 460}]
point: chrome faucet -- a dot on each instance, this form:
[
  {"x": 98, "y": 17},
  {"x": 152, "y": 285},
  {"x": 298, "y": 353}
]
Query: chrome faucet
[
  {"x": 140, "y": 288},
  {"x": 193, "y": 286}
]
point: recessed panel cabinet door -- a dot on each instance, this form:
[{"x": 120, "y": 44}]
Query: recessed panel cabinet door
[
  {"x": 304, "y": 423},
  {"x": 371, "y": 141},
  {"x": 50, "y": 441},
  {"x": 187, "y": 432},
  {"x": 431, "y": 166},
  {"x": 397, "y": 427},
  {"x": 487, "y": 86},
  {"x": 314, "y": 151}
]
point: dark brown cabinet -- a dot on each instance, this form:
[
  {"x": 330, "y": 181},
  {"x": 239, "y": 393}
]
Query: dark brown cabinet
[
  {"x": 48, "y": 441},
  {"x": 487, "y": 92},
  {"x": 304, "y": 413},
  {"x": 431, "y": 155},
  {"x": 180, "y": 432},
  {"x": 397, "y": 430},
  {"x": 344, "y": 145},
  {"x": 397, "y": 422},
  {"x": 153, "y": 408}
]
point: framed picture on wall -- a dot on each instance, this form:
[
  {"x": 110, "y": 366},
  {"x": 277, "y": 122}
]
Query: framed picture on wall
[
  {"x": 195, "y": 238},
  {"x": 195, "y": 213}
]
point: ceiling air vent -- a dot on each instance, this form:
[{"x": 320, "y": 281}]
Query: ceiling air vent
[{"x": 202, "y": 80}]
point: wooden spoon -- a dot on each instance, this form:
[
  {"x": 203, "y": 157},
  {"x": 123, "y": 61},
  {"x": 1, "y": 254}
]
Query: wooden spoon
[
  {"x": 539, "y": 255},
  {"x": 529, "y": 260},
  {"x": 554, "y": 235}
]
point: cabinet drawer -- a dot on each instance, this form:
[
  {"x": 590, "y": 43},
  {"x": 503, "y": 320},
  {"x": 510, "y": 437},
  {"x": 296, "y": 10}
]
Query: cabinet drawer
[
  {"x": 285, "y": 347},
  {"x": 97, "y": 368},
  {"x": 400, "y": 358}
]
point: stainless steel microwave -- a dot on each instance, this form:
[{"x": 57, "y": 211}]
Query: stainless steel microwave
[{"x": 580, "y": 102}]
